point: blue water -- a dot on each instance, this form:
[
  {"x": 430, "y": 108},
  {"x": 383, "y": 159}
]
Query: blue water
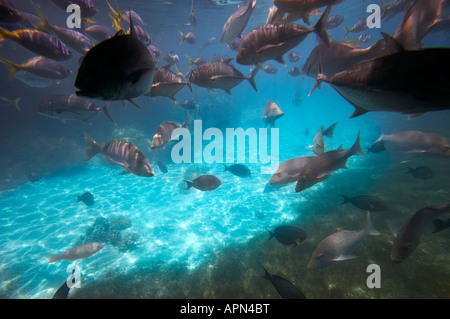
[{"x": 194, "y": 244}]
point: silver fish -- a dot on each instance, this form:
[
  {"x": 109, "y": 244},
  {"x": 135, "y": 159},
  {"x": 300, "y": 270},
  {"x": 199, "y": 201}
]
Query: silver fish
[
  {"x": 79, "y": 252},
  {"x": 237, "y": 22},
  {"x": 167, "y": 83},
  {"x": 272, "y": 112},
  {"x": 289, "y": 171},
  {"x": 40, "y": 66}
]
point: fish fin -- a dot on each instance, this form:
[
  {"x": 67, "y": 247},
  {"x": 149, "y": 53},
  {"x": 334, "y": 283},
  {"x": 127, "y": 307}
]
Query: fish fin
[
  {"x": 319, "y": 79},
  {"x": 393, "y": 229},
  {"x": 369, "y": 226},
  {"x": 271, "y": 234},
  {"x": 125, "y": 171},
  {"x": 15, "y": 103},
  {"x": 251, "y": 78},
  {"x": 53, "y": 258},
  {"x": 270, "y": 46},
  {"x": 321, "y": 26},
  {"x": 14, "y": 67},
  {"x": 182, "y": 37},
  {"x": 305, "y": 17},
  {"x": 135, "y": 103},
  {"x": 415, "y": 115},
  {"x": 343, "y": 257},
  {"x": 356, "y": 148},
  {"x": 78, "y": 198},
  {"x": 191, "y": 62},
  {"x": 44, "y": 23},
  {"x": 92, "y": 147},
  {"x": 358, "y": 111},
  {"x": 190, "y": 87},
  {"x": 105, "y": 109},
  {"x": 391, "y": 45},
  {"x": 189, "y": 184},
  {"x": 225, "y": 168},
  {"x": 228, "y": 91},
  {"x": 346, "y": 199}
]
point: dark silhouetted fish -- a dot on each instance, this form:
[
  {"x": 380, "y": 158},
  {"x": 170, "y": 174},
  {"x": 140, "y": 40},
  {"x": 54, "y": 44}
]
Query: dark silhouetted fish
[
  {"x": 79, "y": 252},
  {"x": 273, "y": 41},
  {"x": 86, "y": 198},
  {"x": 162, "y": 167},
  {"x": 366, "y": 202},
  {"x": 408, "y": 237},
  {"x": 411, "y": 82},
  {"x": 238, "y": 169},
  {"x": 285, "y": 289},
  {"x": 440, "y": 224},
  {"x": 220, "y": 75},
  {"x": 272, "y": 112},
  {"x": 120, "y": 152},
  {"x": 237, "y": 22},
  {"x": 118, "y": 68},
  {"x": 339, "y": 246},
  {"x": 167, "y": 83},
  {"x": 62, "y": 292},
  {"x": 421, "y": 172},
  {"x": 71, "y": 107},
  {"x": 4, "y": 102},
  {"x": 288, "y": 235},
  {"x": 322, "y": 166},
  {"x": 8, "y": 13},
  {"x": 204, "y": 183}
]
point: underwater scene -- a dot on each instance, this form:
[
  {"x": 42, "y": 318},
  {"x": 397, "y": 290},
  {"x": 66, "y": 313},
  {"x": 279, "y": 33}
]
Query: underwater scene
[{"x": 222, "y": 149}]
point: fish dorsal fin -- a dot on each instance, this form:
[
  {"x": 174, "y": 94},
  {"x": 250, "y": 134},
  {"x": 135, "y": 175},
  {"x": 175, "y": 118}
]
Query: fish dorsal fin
[{"x": 227, "y": 61}]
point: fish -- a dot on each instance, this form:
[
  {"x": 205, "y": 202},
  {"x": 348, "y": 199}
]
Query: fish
[
  {"x": 118, "y": 68},
  {"x": 198, "y": 61},
  {"x": 171, "y": 58},
  {"x": 295, "y": 71},
  {"x": 297, "y": 9},
  {"x": 285, "y": 289},
  {"x": 318, "y": 142},
  {"x": 8, "y": 12},
  {"x": 440, "y": 224},
  {"x": 334, "y": 21},
  {"x": 34, "y": 81},
  {"x": 38, "y": 42},
  {"x": 167, "y": 83},
  {"x": 62, "y": 292},
  {"x": 7, "y": 102},
  {"x": 359, "y": 26},
  {"x": 395, "y": 85},
  {"x": 272, "y": 112},
  {"x": 408, "y": 237},
  {"x": 71, "y": 107},
  {"x": 72, "y": 38},
  {"x": 270, "y": 69},
  {"x": 366, "y": 202},
  {"x": 79, "y": 252},
  {"x": 204, "y": 183},
  {"x": 275, "y": 16},
  {"x": 392, "y": 8},
  {"x": 412, "y": 142},
  {"x": 329, "y": 132},
  {"x": 86, "y": 198},
  {"x": 162, "y": 167},
  {"x": 273, "y": 41},
  {"x": 323, "y": 165},
  {"x": 339, "y": 246},
  {"x": 192, "y": 17},
  {"x": 234, "y": 45},
  {"x": 189, "y": 105},
  {"x": 99, "y": 32},
  {"x": 40, "y": 66},
  {"x": 238, "y": 170},
  {"x": 142, "y": 34},
  {"x": 294, "y": 56},
  {"x": 421, "y": 172},
  {"x": 237, "y": 22},
  {"x": 220, "y": 75},
  {"x": 164, "y": 132},
  {"x": 289, "y": 171},
  {"x": 288, "y": 235},
  {"x": 189, "y": 38},
  {"x": 155, "y": 52},
  {"x": 120, "y": 152},
  {"x": 208, "y": 42}
]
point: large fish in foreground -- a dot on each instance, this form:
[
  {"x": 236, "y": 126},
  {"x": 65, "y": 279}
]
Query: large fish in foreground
[
  {"x": 273, "y": 41},
  {"x": 411, "y": 82},
  {"x": 408, "y": 237},
  {"x": 118, "y": 68},
  {"x": 237, "y": 22},
  {"x": 339, "y": 246},
  {"x": 323, "y": 165},
  {"x": 120, "y": 152}
]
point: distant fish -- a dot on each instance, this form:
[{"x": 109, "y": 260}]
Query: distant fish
[
  {"x": 167, "y": 83},
  {"x": 79, "y": 252},
  {"x": 285, "y": 289},
  {"x": 421, "y": 172},
  {"x": 189, "y": 38},
  {"x": 189, "y": 105},
  {"x": 237, "y": 22},
  {"x": 208, "y": 42},
  {"x": 272, "y": 112},
  {"x": 440, "y": 224},
  {"x": 270, "y": 69},
  {"x": 164, "y": 132},
  {"x": 122, "y": 153},
  {"x": 359, "y": 26},
  {"x": 306, "y": 131},
  {"x": 162, "y": 167},
  {"x": 318, "y": 142},
  {"x": 8, "y": 13},
  {"x": 288, "y": 235},
  {"x": 339, "y": 246},
  {"x": 40, "y": 66},
  {"x": 34, "y": 81},
  {"x": 99, "y": 32},
  {"x": 204, "y": 183},
  {"x": 171, "y": 58},
  {"x": 4, "y": 102},
  {"x": 238, "y": 169},
  {"x": 192, "y": 17},
  {"x": 297, "y": 9},
  {"x": 334, "y": 21},
  {"x": 86, "y": 198},
  {"x": 294, "y": 56},
  {"x": 295, "y": 71},
  {"x": 366, "y": 202},
  {"x": 408, "y": 237}
]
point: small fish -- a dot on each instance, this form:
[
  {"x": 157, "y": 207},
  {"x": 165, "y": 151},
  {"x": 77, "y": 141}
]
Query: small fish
[
  {"x": 270, "y": 69},
  {"x": 189, "y": 38},
  {"x": 297, "y": 99},
  {"x": 294, "y": 56},
  {"x": 7, "y": 102},
  {"x": 306, "y": 131},
  {"x": 297, "y": 9},
  {"x": 238, "y": 169},
  {"x": 120, "y": 152},
  {"x": 440, "y": 224},
  {"x": 295, "y": 71},
  {"x": 366, "y": 202},
  {"x": 359, "y": 26},
  {"x": 204, "y": 183},
  {"x": 237, "y": 22},
  {"x": 408, "y": 237},
  {"x": 189, "y": 105},
  {"x": 288, "y": 235},
  {"x": 79, "y": 252},
  {"x": 208, "y": 42},
  {"x": 34, "y": 81},
  {"x": 86, "y": 198},
  {"x": 162, "y": 167},
  {"x": 271, "y": 113},
  {"x": 285, "y": 289},
  {"x": 171, "y": 58},
  {"x": 421, "y": 172},
  {"x": 339, "y": 246},
  {"x": 99, "y": 32},
  {"x": 334, "y": 21}
]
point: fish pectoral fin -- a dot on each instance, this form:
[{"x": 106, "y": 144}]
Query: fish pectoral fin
[
  {"x": 343, "y": 257},
  {"x": 270, "y": 46}
]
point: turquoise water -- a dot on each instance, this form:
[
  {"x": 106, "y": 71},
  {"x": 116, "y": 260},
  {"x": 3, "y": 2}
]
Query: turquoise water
[{"x": 192, "y": 244}]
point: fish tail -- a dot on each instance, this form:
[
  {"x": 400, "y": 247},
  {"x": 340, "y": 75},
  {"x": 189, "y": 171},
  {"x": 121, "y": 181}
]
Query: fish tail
[
  {"x": 347, "y": 31},
  {"x": 271, "y": 234},
  {"x": 266, "y": 274},
  {"x": 6, "y": 34},
  {"x": 410, "y": 170},
  {"x": 78, "y": 198},
  {"x": 251, "y": 78},
  {"x": 105, "y": 110},
  {"x": 44, "y": 22},
  {"x": 356, "y": 148},
  {"x": 225, "y": 168},
  {"x": 369, "y": 226},
  {"x": 191, "y": 62},
  {"x": 135, "y": 103},
  {"x": 14, "y": 67},
  {"x": 15, "y": 103},
  {"x": 92, "y": 147},
  {"x": 439, "y": 225},
  {"x": 346, "y": 199},
  {"x": 182, "y": 37},
  {"x": 189, "y": 184},
  {"x": 321, "y": 26},
  {"x": 53, "y": 258}
]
